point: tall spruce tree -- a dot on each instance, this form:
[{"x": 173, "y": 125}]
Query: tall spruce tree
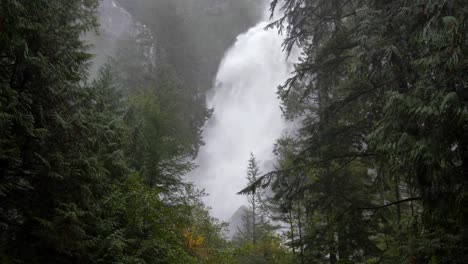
[
  {"x": 50, "y": 176},
  {"x": 255, "y": 225}
]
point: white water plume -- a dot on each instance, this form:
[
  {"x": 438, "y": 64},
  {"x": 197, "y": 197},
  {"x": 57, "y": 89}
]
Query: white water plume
[{"x": 247, "y": 117}]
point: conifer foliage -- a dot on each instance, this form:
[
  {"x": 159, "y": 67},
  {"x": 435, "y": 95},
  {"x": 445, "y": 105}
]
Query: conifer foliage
[
  {"x": 51, "y": 174},
  {"x": 90, "y": 172},
  {"x": 378, "y": 169},
  {"x": 257, "y": 240},
  {"x": 254, "y": 222}
]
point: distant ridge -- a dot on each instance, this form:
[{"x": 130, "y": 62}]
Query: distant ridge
[{"x": 235, "y": 221}]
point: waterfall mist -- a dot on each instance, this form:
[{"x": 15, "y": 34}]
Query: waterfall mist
[{"x": 246, "y": 118}]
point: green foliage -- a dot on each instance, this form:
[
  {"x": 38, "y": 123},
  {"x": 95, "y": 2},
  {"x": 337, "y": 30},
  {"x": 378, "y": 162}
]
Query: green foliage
[
  {"x": 257, "y": 241},
  {"x": 377, "y": 170},
  {"x": 50, "y": 176},
  {"x": 138, "y": 227},
  {"x": 254, "y": 223},
  {"x": 266, "y": 250},
  {"x": 91, "y": 172},
  {"x": 165, "y": 115}
]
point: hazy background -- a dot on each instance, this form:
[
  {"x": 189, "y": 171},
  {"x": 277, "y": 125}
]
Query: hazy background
[{"x": 220, "y": 49}]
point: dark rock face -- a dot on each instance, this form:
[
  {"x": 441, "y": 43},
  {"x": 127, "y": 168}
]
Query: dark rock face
[{"x": 192, "y": 36}]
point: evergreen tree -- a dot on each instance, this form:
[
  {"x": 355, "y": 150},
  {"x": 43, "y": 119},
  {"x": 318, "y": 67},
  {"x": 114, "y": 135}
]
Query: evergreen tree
[
  {"x": 70, "y": 187},
  {"x": 50, "y": 175},
  {"x": 256, "y": 239},
  {"x": 254, "y": 221},
  {"x": 377, "y": 157}
]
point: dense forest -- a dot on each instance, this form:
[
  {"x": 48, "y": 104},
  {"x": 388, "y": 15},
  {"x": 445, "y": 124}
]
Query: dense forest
[{"x": 93, "y": 161}]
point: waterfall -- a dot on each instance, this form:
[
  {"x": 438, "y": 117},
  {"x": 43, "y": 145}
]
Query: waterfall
[
  {"x": 246, "y": 118},
  {"x": 114, "y": 22}
]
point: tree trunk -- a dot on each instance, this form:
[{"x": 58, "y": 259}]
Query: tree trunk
[
  {"x": 299, "y": 225},
  {"x": 291, "y": 226},
  {"x": 254, "y": 240},
  {"x": 331, "y": 246}
]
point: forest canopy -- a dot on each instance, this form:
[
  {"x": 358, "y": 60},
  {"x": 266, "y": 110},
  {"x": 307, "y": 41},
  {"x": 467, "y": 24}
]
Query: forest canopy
[
  {"x": 378, "y": 170},
  {"x": 92, "y": 164}
]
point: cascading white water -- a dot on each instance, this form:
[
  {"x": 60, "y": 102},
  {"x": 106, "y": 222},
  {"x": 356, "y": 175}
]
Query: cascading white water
[
  {"x": 247, "y": 117},
  {"x": 114, "y": 21}
]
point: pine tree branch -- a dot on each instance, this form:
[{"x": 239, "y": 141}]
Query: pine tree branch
[
  {"x": 264, "y": 180},
  {"x": 353, "y": 97},
  {"x": 390, "y": 204}
]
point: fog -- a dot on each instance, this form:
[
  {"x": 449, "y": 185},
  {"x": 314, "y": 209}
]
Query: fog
[{"x": 114, "y": 21}]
